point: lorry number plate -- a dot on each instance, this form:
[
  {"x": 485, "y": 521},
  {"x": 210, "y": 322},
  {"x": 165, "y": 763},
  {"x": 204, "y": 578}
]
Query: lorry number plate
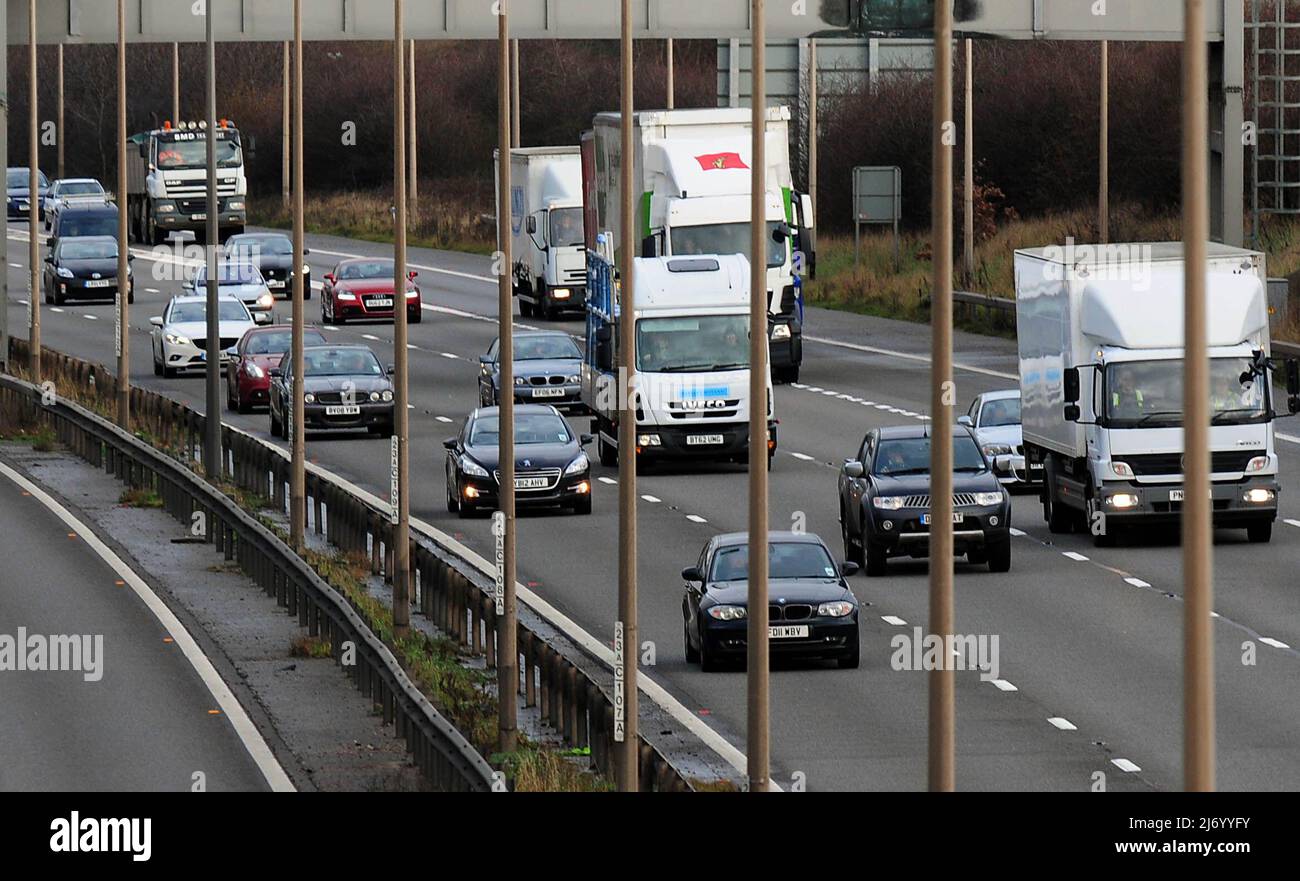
[
  {"x": 700, "y": 440},
  {"x": 1176, "y": 495}
]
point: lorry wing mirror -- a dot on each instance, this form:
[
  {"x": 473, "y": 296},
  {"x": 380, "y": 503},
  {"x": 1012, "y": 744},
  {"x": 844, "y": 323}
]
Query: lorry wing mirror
[
  {"x": 1071, "y": 379},
  {"x": 604, "y": 334},
  {"x": 604, "y": 355},
  {"x": 531, "y": 224},
  {"x": 782, "y": 233},
  {"x": 1293, "y": 376},
  {"x": 648, "y": 247},
  {"x": 1072, "y": 413}
]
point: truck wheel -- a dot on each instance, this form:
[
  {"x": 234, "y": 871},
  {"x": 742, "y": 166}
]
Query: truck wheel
[
  {"x": 1260, "y": 533},
  {"x": 525, "y": 308},
  {"x": 1060, "y": 520},
  {"x": 1000, "y": 556},
  {"x": 787, "y": 374}
]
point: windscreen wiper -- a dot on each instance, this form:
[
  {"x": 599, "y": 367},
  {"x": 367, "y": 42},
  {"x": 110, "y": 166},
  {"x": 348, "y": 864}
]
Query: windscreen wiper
[
  {"x": 1214, "y": 420},
  {"x": 1146, "y": 417}
]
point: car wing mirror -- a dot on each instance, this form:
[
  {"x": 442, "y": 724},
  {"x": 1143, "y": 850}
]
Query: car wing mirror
[
  {"x": 391, "y": 370},
  {"x": 585, "y": 439},
  {"x": 853, "y": 470},
  {"x": 848, "y": 567},
  {"x": 156, "y": 321},
  {"x": 449, "y": 444},
  {"x": 277, "y": 372},
  {"x": 692, "y": 573},
  {"x": 966, "y": 421}
]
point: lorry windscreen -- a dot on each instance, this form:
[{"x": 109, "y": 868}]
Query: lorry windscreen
[
  {"x": 1149, "y": 394},
  {"x": 566, "y": 227},
  {"x": 692, "y": 344},
  {"x": 194, "y": 154},
  {"x": 724, "y": 238}
]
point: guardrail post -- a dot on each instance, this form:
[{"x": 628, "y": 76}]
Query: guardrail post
[{"x": 530, "y": 668}]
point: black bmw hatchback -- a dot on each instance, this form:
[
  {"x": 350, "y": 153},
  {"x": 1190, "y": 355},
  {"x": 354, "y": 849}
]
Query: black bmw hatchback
[
  {"x": 811, "y": 610},
  {"x": 84, "y": 268},
  {"x": 550, "y": 467}
]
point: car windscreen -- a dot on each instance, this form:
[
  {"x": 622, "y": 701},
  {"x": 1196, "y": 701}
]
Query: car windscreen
[
  {"x": 341, "y": 362},
  {"x": 366, "y": 269},
  {"x": 198, "y": 311},
  {"x": 530, "y": 428},
  {"x": 545, "y": 348},
  {"x": 786, "y": 559},
  {"x": 1002, "y": 411},
  {"x": 230, "y": 274},
  {"x": 692, "y": 344},
  {"x": 277, "y": 342},
  {"x": 566, "y": 227},
  {"x": 911, "y": 455},
  {"x": 180, "y": 154},
  {"x": 249, "y": 249},
  {"x": 72, "y": 250},
  {"x": 724, "y": 238},
  {"x": 80, "y": 188},
  {"x": 1149, "y": 394},
  {"x": 17, "y": 178},
  {"x": 76, "y": 224}
]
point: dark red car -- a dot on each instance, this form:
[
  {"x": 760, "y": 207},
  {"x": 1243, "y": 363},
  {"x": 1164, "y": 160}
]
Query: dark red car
[
  {"x": 362, "y": 288},
  {"x": 248, "y": 372}
]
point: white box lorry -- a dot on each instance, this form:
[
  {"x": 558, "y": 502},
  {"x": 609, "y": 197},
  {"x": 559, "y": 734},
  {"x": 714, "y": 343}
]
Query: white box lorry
[
  {"x": 547, "y": 246},
  {"x": 692, "y": 176},
  {"x": 691, "y": 382},
  {"x": 1100, "y": 332}
]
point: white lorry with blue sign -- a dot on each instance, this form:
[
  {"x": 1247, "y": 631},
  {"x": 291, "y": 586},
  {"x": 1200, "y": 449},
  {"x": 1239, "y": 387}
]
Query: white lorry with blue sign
[{"x": 691, "y": 376}]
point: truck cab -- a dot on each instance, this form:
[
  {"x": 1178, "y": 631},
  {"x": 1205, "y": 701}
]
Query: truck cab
[
  {"x": 168, "y": 182},
  {"x": 691, "y": 379}
]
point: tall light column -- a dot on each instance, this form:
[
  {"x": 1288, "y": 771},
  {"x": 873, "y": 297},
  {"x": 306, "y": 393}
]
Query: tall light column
[
  {"x": 34, "y": 203},
  {"x": 401, "y": 416},
  {"x": 124, "y": 282},
  {"x": 298, "y": 439}
]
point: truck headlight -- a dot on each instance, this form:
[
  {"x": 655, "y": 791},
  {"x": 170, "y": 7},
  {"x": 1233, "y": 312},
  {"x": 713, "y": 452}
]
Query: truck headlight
[
  {"x": 1259, "y": 463},
  {"x": 1258, "y": 496},
  {"x": 648, "y": 440},
  {"x": 1122, "y": 500},
  {"x": 986, "y": 499},
  {"x": 165, "y": 208},
  {"x": 780, "y": 331},
  {"x": 837, "y": 609},
  {"x": 578, "y": 465},
  {"x": 235, "y": 206},
  {"x": 472, "y": 468},
  {"x": 561, "y": 293},
  {"x": 888, "y": 503},
  {"x": 727, "y": 613},
  {"x": 1121, "y": 469}
]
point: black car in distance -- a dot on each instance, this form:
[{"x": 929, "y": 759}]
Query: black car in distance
[
  {"x": 272, "y": 254},
  {"x": 885, "y": 500},
  {"x": 84, "y": 269},
  {"x": 343, "y": 387},
  {"x": 547, "y": 366},
  {"x": 551, "y": 470},
  {"x": 811, "y": 611}
]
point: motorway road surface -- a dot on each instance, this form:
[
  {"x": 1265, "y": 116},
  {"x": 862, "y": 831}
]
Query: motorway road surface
[
  {"x": 1090, "y": 639},
  {"x": 150, "y": 722}
]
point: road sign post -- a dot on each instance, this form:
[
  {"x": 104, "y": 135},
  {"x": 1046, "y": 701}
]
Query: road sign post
[{"x": 877, "y": 198}]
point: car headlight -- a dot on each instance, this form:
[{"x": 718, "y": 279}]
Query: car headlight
[
  {"x": 386, "y": 395},
  {"x": 519, "y": 380},
  {"x": 575, "y": 379},
  {"x": 837, "y": 609},
  {"x": 992, "y": 450},
  {"x": 64, "y": 272},
  {"x": 986, "y": 499},
  {"x": 253, "y": 370},
  {"x": 176, "y": 339},
  {"x": 374, "y": 396},
  {"x": 472, "y": 468},
  {"x": 1258, "y": 496},
  {"x": 345, "y": 295},
  {"x": 578, "y": 465},
  {"x": 1121, "y": 469},
  {"x": 1259, "y": 463},
  {"x": 727, "y": 613},
  {"x": 780, "y": 331},
  {"x": 888, "y": 503},
  {"x": 309, "y": 398}
]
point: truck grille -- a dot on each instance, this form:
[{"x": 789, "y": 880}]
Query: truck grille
[
  {"x": 1221, "y": 462},
  {"x": 576, "y": 277},
  {"x": 721, "y": 408}
]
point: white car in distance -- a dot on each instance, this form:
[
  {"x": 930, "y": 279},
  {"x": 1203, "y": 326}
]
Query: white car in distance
[
  {"x": 994, "y": 417},
  {"x": 179, "y": 338}
]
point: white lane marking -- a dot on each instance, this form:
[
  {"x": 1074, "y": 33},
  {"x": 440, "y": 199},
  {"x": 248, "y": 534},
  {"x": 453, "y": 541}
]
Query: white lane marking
[
  {"x": 893, "y": 619},
  {"x": 329, "y": 327},
  {"x": 1137, "y": 582},
  {"x": 412, "y": 346},
  {"x": 923, "y": 359},
  {"x": 803, "y": 456},
  {"x": 1003, "y": 685},
  {"x": 611, "y": 481},
  {"x": 651, "y": 499},
  {"x": 1289, "y": 438},
  {"x": 1292, "y": 522},
  {"x": 1074, "y": 555},
  {"x": 451, "y": 355},
  {"x": 696, "y": 518},
  {"x": 1016, "y": 532},
  {"x": 370, "y": 336},
  {"x": 1275, "y": 643},
  {"x": 91, "y": 317},
  {"x": 1063, "y": 723},
  {"x": 247, "y": 732},
  {"x": 56, "y": 309},
  {"x": 153, "y": 290},
  {"x": 16, "y": 265},
  {"x": 442, "y": 418},
  {"x": 1215, "y": 615},
  {"x": 1125, "y": 765}
]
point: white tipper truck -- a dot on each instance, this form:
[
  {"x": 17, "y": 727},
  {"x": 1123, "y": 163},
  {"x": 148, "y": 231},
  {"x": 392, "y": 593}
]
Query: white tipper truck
[
  {"x": 547, "y": 246},
  {"x": 691, "y": 381},
  {"x": 167, "y": 182},
  {"x": 691, "y": 170},
  {"x": 1100, "y": 332}
]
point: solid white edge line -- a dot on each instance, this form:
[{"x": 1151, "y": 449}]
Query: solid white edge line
[
  {"x": 247, "y": 732},
  {"x": 1125, "y": 765},
  {"x": 1275, "y": 643},
  {"x": 1062, "y": 723}
]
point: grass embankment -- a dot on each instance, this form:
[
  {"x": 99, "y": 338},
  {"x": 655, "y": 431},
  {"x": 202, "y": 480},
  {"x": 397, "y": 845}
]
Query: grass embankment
[
  {"x": 448, "y": 218},
  {"x": 874, "y": 286}
]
